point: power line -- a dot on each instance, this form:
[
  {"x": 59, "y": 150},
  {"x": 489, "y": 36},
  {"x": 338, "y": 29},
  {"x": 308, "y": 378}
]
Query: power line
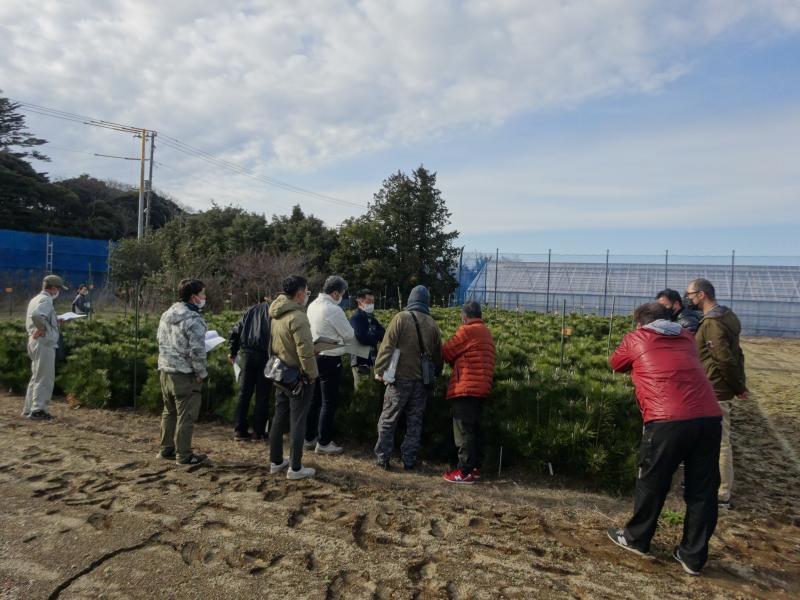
[{"x": 185, "y": 148}]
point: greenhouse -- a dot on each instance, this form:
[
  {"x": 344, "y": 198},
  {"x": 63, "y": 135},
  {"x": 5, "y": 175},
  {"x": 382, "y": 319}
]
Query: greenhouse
[{"x": 766, "y": 298}]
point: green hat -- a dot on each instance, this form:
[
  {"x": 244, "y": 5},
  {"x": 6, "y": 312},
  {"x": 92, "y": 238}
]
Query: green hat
[{"x": 53, "y": 281}]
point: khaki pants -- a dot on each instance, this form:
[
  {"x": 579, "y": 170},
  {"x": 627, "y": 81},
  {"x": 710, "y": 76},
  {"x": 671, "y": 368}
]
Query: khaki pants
[
  {"x": 181, "y": 393},
  {"x": 726, "y": 453},
  {"x": 43, "y": 376}
]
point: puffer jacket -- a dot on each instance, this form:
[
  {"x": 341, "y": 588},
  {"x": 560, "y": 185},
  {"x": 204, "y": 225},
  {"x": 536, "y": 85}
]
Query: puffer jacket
[
  {"x": 291, "y": 335},
  {"x": 471, "y": 353},
  {"x": 182, "y": 341},
  {"x": 718, "y": 346},
  {"x": 670, "y": 382}
]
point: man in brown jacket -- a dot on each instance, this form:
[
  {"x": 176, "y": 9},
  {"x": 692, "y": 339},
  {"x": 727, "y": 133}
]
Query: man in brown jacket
[
  {"x": 406, "y": 394},
  {"x": 291, "y": 342},
  {"x": 717, "y": 341}
]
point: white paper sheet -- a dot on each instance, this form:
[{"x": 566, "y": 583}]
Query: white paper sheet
[
  {"x": 213, "y": 339},
  {"x": 68, "y": 316}
]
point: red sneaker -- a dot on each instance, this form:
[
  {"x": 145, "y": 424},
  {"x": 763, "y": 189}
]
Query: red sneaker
[
  {"x": 458, "y": 477},
  {"x": 476, "y": 473}
]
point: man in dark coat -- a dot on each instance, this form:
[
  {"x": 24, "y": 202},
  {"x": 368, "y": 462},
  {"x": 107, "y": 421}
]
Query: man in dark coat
[
  {"x": 369, "y": 332},
  {"x": 249, "y": 342}
]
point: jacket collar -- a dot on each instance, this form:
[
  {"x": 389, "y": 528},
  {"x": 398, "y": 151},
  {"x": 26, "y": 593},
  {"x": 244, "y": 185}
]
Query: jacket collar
[{"x": 473, "y": 320}]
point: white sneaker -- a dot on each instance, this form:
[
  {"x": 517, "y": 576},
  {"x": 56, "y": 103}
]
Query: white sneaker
[
  {"x": 310, "y": 445},
  {"x": 303, "y": 473},
  {"x": 329, "y": 448},
  {"x": 273, "y": 468}
]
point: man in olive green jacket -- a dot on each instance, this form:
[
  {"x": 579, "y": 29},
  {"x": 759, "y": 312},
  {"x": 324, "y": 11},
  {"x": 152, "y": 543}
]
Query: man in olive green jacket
[
  {"x": 717, "y": 341},
  {"x": 406, "y": 394},
  {"x": 292, "y": 343}
]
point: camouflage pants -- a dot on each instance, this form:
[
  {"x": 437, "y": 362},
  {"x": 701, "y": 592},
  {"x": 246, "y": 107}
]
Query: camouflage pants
[{"x": 409, "y": 397}]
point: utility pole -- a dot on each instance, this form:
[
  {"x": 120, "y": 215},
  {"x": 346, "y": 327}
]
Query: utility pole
[
  {"x": 150, "y": 183},
  {"x": 140, "y": 220}
]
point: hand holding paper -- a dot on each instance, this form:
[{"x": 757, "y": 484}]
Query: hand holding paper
[{"x": 68, "y": 316}]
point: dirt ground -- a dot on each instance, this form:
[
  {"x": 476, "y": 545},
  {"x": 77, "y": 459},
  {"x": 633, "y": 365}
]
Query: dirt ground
[{"x": 88, "y": 511}]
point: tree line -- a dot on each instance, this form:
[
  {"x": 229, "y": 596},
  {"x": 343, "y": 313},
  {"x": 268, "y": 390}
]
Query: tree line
[{"x": 404, "y": 238}]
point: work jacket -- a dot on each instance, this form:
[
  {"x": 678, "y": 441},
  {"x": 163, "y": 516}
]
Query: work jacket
[
  {"x": 670, "y": 382},
  {"x": 291, "y": 335},
  {"x": 471, "y": 353},
  {"x": 717, "y": 341}
]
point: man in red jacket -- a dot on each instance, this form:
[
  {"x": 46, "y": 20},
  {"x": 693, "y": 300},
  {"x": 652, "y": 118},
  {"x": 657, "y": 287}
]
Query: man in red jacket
[
  {"x": 471, "y": 353},
  {"x": 682, "y": 424}
]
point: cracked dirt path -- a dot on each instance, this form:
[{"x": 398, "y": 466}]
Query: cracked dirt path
[{"x": 88, "y": 511}]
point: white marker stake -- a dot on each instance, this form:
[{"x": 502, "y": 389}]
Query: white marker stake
[
  {"x": 500, "y": 463},
  {"x": 550, "y": 466}
]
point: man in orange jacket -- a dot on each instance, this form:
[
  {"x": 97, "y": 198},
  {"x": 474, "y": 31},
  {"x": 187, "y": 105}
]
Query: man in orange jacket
[{"x": 471, "y": 353}]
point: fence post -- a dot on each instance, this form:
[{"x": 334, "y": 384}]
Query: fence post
[
  {"x": 666, "y": 268},
  {"x": 563, "y": 327},
  {"x": 605, "y": 286},
  {"x": 547, "y": 301},
  {"x": 460, "y": 284},
  {"x": 496, "y": 270},
  {"x": 733, "y": 271},
  {"x": 611, "y": 325}
]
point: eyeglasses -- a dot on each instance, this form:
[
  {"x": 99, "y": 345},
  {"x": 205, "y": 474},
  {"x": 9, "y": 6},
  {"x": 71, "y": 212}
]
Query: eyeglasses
[{"x": 688, "y": 293}]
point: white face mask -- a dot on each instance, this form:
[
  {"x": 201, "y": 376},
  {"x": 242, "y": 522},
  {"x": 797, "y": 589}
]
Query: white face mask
[
  {"x": 201, "y": 303},
  {"x": 369, "y": 308},
  {"x": 305, "y": 299},
  {"x": 55, "y": 295}
]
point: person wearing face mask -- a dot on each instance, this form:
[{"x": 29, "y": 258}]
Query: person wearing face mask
[
  {"x": 42, "y": 325},
  {"x": 369, "y": 332},
  {"x": 182, "y": 363},
  {"x": 717, "y": 341},
  {"x": 82, "y": 305},
  {"x": 471, "y": 352},
  {"x": 327, "y": 321},
  {"x": 685, "y": 317}
]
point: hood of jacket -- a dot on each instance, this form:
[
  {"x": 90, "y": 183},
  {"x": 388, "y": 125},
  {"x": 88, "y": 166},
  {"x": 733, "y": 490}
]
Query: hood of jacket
[
  {"x": 664, "y": 327},
  {"x": 419, "y": 300},
  {"x": 726, "y": 317},
  {"x": 180, "y": 312},
  {"x": 283, "y": 305}
]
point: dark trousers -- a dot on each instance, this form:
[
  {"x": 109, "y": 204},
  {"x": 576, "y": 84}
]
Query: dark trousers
[
  {"x": 326, "y": 399},
  {"x": 290, "y": 415},
  {"x": 665, "y": 444},
  {"x": 252, "y": 378},
  {"x": 467, "y": 412}
]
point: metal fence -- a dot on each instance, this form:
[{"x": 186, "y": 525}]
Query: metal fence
[{"x": 763, "y": 290}]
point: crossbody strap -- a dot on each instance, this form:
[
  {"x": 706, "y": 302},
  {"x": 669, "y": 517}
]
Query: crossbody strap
[{"x": 422, "y": 348}]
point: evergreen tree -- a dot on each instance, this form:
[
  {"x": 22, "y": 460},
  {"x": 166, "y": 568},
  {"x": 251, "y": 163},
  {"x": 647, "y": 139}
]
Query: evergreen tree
[
  {"x": 403, "y": 240},
  {"x": 14, "y": 133}
]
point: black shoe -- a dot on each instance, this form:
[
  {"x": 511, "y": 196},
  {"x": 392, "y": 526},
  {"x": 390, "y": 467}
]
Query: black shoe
[
  {"x": 409, "y": 466},
  {"x": 259, "y": 437},
  {"x": 618, "y": 537},
  {"x": 724, "y": 504},
  {"x": 238, "y": 436},
  {"x": 40, "y": 415},
  {"x": 194, "y": 459},
  {"x": 676, "y": 554},
  {"x": 166, "y": 455},
  {"x": 383, "y": 464}
]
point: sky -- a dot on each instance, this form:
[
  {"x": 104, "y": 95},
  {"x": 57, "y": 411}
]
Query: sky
[{"x": 578, "y": 126}]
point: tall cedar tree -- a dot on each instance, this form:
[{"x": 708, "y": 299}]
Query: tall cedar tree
[{"x": 402, "y": 240}]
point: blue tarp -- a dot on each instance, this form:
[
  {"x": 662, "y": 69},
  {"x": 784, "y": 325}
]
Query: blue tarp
[{"x": 23, "y": 258}]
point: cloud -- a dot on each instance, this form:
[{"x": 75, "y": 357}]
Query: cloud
[
  {"x": 711, "y": 172},
  {"x": 293, "y": 87}
]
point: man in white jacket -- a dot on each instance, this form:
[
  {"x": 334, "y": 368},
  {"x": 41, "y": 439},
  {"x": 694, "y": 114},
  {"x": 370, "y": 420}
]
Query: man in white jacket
[
  {"x": 42, "y": 325},
  {"x": 327, "y": 321}
]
